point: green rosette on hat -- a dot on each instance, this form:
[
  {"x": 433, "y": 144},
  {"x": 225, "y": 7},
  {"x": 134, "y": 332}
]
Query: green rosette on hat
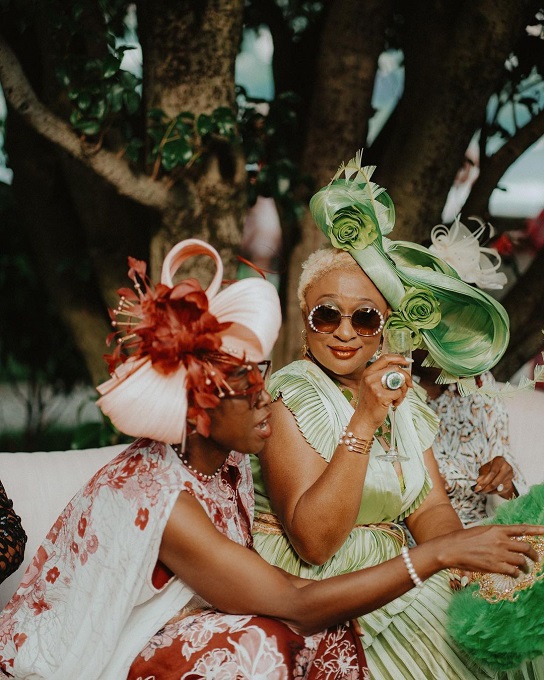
[{"x": 464, "y": 329}]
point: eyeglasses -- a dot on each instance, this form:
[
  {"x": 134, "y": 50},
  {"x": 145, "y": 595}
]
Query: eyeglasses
[
  {"x": 365, "y": 321},
  {"x": 259, "y": 374}
]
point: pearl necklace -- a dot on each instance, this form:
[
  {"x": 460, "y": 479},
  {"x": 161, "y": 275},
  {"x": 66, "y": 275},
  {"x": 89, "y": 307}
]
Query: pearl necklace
[{"x": 202, "y": 476}]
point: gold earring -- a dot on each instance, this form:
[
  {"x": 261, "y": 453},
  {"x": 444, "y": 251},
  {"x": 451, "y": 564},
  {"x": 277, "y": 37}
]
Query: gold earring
[{"x": 305, "y": 347}]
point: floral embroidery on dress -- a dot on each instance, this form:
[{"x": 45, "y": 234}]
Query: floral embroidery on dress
[
  {"x": 210, "y": 644},
  {"x": 83, "y": 544},
  {"x": 88, "y": 576}
]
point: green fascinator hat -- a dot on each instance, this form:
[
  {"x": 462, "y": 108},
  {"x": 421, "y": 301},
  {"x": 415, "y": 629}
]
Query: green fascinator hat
[{"x": 464, "y": 330}]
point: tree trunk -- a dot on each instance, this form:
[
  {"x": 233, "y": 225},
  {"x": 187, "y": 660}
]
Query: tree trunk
[
  {"x": 454, "y": 58},
  {"x": 351, "y": 42},
  {"x": 189, "y": 51},
  {"x": 76, "y": 213}
]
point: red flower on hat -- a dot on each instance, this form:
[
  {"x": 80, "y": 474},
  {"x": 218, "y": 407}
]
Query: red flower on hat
[{"x": 171, "y": 326}]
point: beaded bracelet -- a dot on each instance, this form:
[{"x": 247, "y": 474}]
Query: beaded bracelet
[
  {"x": 353, "y": 443},
  {"x": 409, "y": 565}
]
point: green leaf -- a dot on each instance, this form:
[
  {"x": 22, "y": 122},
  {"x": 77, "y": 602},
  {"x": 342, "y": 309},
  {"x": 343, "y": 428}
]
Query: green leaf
[
  {"x": 132, "y": 101},
  {"x": 83, "y": 101},
  {"x": 156, "y": 114},
  {"x": 110, "y": 66},
  {"x": 115, "y": 96},
  {"x": 187, "y": 116},
  {"x": 156, "y": 133},
  {"x": 75, "y": 117},
  {"x": 176, "y": 153},
  {"x": 88, "y": 127},
  {"x": 92, "y": 65},
  {"x": 168, "y": 162},
  {"x": 128, "y": 80},
  {"x": 133, "y": 149},
  {"x": 225, "y": 121},
  {"x": 98, "y": 109},
  {"x": 62, "y": 76},
  {"x": 204, "y": 125}
]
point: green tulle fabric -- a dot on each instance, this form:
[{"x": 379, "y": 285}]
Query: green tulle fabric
[
  {"x": 466, "y": 332},
  {"x": 503, "y": 634}
]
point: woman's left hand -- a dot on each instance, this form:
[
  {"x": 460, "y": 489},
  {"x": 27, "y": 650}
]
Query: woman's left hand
[{"x": 496, "y": 477}]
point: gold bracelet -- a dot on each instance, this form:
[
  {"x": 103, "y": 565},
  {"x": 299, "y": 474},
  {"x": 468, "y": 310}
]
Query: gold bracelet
[{"x": 353, "y": 443}]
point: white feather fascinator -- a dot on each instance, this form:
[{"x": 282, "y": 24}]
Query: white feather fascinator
[{"x": 461, "y": 249}]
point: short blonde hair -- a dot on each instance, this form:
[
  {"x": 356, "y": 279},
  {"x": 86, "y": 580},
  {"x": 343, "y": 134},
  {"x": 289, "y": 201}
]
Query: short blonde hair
[{"x": 319, "y": 263}]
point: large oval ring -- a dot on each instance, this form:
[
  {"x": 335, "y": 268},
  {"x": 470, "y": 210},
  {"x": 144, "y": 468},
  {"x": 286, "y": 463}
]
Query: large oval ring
[{"x": 393, "y": 380}]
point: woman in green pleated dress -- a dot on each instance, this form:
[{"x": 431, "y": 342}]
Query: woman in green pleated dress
[{"x": 326, "y": 503}]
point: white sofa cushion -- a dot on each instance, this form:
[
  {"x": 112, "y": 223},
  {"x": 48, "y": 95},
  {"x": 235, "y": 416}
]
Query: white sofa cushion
[
  {"x": 41, "y": 484},
  {"x": 526, "y": 418}
]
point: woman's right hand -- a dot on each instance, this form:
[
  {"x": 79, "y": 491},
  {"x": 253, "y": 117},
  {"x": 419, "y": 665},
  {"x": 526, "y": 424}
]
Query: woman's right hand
[
  {"x": 491, "y": 548},
  {"x": 375, "y": 399}
]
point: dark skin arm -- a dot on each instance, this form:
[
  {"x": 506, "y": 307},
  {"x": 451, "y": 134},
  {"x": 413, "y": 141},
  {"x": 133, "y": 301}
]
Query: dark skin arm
[
  {"x": 435, "y": 516},
  {"x": 237, "y": 580}
]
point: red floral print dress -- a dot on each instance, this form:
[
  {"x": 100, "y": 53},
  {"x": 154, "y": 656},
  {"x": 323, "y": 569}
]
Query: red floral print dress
[{"x": 91, "y": 605}]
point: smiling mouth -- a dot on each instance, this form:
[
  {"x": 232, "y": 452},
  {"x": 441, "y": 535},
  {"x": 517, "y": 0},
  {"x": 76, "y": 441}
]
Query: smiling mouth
[{"x": 344, "y": 350}]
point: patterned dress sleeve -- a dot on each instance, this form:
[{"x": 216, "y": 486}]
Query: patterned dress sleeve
[{"x": 12, "y": 537}]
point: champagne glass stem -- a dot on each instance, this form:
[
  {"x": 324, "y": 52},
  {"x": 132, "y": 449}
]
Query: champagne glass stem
[
  {"x": 393, "y": 434},
  {"x": 395, "y": 341}
]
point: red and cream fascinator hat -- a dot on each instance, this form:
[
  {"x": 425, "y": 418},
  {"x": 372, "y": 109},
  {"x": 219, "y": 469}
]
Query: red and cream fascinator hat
[{"x": 179, "y": 342}]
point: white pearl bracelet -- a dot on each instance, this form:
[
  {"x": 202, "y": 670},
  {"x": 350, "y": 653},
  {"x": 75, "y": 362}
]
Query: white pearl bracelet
[
  {"x": 353, "y": 443},
  {"x": 410, "y": 567}
]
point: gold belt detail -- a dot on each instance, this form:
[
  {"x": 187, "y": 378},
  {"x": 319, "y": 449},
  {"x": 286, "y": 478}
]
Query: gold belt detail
[
  {"x": 268, "y": 523},
  {"x": 390, "y": 528}
]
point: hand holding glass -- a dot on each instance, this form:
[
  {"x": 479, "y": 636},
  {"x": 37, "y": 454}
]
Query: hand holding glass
[{"x": 396, "y": 341}]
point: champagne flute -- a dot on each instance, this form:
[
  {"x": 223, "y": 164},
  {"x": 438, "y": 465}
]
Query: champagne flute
[{"x": 396, "y": 341}]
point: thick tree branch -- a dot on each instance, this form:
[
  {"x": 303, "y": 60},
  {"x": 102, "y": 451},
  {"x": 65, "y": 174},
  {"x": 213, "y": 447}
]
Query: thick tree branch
[
  {"x": 467, "y": 44},
  {"x": 494, "y": 167},
  {"x": 524, "y": 306},
  {"x": 21, "y": 97}
]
